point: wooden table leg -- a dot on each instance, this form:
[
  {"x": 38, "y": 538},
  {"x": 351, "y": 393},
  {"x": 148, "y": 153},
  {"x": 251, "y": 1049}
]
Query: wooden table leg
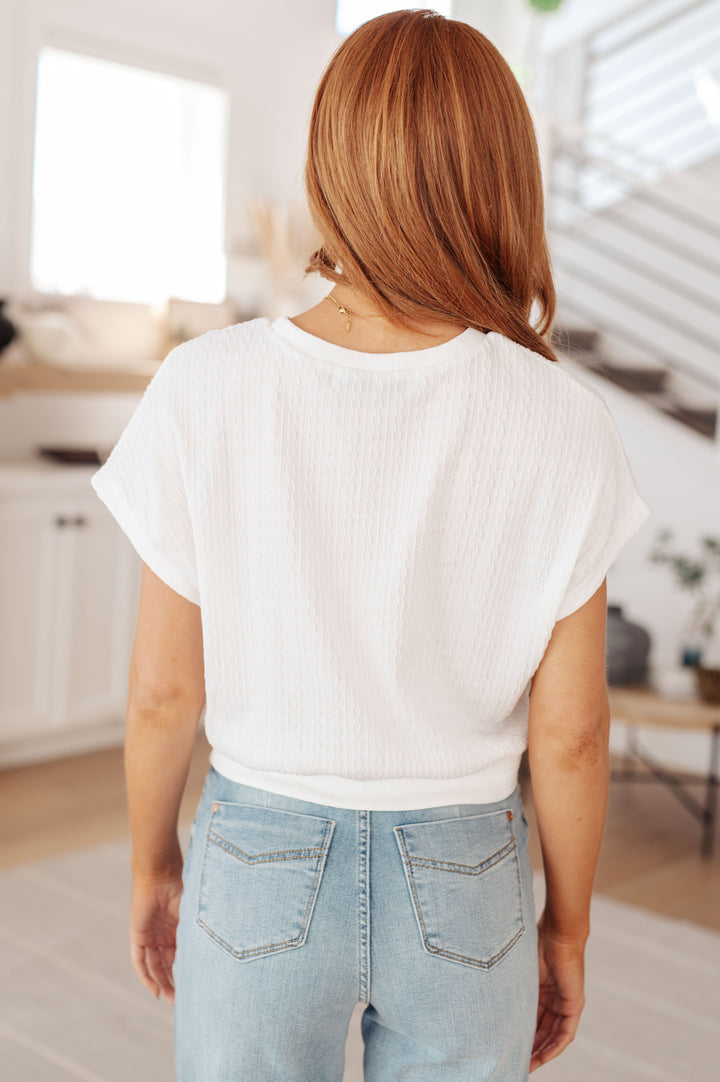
[{"x": 711, "y": 794}]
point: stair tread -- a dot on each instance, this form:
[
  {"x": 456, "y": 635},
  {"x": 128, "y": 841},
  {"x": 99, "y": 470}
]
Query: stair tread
[
  {"x": 595, "y": 357},
  {"x": 701, "y": 418},
  {"x": 622, "y": 366},
  {"x": 704, "y": 411}
]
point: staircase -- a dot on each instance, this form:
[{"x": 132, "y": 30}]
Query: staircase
[
  {"x": 633, "y": 220},
  {"x": 583, "y": 345}
]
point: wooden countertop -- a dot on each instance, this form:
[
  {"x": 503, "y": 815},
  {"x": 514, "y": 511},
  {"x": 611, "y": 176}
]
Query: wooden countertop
[
  {"x": 44, "y": 377},
  {"x": 645, "y": 706}
]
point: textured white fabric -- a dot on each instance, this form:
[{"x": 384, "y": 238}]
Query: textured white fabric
[{"x": 380, "y": 545}]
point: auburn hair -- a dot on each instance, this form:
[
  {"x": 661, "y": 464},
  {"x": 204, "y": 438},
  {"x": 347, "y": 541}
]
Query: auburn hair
[{"x": 423, "y": 179}]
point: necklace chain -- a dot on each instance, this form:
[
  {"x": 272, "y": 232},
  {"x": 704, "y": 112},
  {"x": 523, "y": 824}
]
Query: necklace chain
[{"x": 346, "y": 311}]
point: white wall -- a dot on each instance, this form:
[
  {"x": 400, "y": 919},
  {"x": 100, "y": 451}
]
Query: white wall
[
  {"x": 574, "y": 18},
  {"x": 506, "y": 24},
  {"x": 509, "y": 22}
]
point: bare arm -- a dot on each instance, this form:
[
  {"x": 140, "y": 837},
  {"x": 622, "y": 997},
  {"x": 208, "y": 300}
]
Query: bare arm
[
  {"x": 165, "y": 698},
  {"x": 569, "y": 764}
]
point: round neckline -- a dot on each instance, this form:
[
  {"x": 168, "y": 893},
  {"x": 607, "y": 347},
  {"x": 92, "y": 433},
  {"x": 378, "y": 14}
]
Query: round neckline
[{"x": 403, "y": 360}]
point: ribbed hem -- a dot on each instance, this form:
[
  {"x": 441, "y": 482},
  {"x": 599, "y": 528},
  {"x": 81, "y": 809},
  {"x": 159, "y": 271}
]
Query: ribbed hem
[
  {"x": 408, "y": 360},
  {"x": 388, "y": 794}
]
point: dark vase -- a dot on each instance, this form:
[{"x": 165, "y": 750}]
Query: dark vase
[
  {"x": 8, "y": 330},
  {"x": 708, "y": 684},
  {"x": 627, "y": 650}
]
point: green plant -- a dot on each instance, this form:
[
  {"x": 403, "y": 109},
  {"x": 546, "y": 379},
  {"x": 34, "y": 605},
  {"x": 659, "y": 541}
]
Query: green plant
[
  {"x": 700, "y": 575},
  {"x": 545, "y": 5}
]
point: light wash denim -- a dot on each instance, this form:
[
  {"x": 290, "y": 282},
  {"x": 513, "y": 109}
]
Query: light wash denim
[{"x": 293, "y": 912}]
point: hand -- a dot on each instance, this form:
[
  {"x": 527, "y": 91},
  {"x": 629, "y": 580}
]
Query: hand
[
  {"x": 154, "y": 915},
  {"x": 561, "y": 997}
]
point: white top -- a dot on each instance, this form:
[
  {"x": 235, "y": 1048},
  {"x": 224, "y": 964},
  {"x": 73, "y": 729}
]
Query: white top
[{"x": 380, "y": 545}]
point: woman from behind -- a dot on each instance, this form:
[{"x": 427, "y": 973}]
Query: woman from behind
[{"x": 431, "y": 506}]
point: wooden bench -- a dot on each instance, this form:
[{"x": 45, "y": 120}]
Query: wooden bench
[{"x": 639, "y": 707}]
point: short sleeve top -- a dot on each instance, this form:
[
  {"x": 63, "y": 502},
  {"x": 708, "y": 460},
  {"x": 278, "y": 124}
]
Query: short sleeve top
[{"x": 380, "y": 546}]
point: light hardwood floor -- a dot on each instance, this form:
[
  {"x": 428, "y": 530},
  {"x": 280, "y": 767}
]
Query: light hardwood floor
[{"x": 650, "y": 855}]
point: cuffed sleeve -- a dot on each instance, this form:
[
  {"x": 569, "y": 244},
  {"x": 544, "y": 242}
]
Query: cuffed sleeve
[
  {"x": 143, "y": 482},
  {"x": 617, "y": 511}
]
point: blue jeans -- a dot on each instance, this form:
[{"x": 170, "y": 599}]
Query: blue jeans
[{"x": 293, "y": 912}]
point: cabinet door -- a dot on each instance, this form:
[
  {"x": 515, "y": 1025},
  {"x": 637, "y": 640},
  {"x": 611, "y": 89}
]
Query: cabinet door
[
  {"x": 28, "y": 616},
  {"x": 101, "y": 588}
]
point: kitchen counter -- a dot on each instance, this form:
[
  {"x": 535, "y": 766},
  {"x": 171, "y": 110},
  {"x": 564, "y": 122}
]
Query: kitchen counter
[
  {"x": 45, "y": 377},
  {"x": 30, "y": 473}
]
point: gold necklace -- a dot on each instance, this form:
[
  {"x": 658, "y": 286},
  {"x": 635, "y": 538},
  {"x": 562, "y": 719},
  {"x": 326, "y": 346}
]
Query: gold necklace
[{"x": 346, "y": 311}]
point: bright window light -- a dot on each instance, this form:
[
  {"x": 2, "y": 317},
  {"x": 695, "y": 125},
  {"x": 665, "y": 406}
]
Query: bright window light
[
  {"x": 351, "y": 13},
  {"x": 128, "y": 182},
  {"x": 707, "y": 89}
]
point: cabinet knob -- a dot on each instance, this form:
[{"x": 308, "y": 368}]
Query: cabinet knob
[{"x": 74, "y": 520}]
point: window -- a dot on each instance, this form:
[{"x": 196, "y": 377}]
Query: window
[
  {"x": 128, "y": 182},
  {"x": 351, "y": 13}
]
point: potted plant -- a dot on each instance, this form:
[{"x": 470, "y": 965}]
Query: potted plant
[{"x": 700, "y": 576}]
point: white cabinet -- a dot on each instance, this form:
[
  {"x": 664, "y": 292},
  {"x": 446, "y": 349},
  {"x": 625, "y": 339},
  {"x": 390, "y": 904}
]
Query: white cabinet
[
  {"x": 28, "y": 563},
  {"x": 69, "y": 590}
]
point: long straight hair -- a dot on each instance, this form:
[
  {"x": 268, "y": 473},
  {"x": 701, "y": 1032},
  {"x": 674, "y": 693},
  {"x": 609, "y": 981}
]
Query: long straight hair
[{"x": 424, "y": 182}]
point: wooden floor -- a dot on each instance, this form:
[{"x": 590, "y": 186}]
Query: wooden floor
[{"x": 650, "y": 854}]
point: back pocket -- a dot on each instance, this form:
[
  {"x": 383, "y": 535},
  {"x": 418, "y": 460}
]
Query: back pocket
[
  {"x": 260, "y": 877},
  {"x": 464, "y": 880}
]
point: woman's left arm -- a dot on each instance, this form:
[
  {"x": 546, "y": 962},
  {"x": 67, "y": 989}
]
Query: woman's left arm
[{"x": 166, "y": 693}]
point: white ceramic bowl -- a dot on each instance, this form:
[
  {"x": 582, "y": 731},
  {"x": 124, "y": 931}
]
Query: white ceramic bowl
[{"x": 49, "y": 336}]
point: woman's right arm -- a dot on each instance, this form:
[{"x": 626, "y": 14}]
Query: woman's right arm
[{"x": 568, "y": 729}]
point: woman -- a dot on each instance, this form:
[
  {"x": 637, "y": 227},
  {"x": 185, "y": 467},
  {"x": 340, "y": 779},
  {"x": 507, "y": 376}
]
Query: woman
[{"x": 375, "y": 539}]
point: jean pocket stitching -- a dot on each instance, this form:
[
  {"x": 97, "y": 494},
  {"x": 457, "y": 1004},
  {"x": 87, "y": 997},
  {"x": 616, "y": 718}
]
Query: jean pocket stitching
[
  {"x": 510, "y": 849},
  {"x": 466, "y": 869},
  {"x": 320, "y": 852},
  {"x": 263, "y": 858}
]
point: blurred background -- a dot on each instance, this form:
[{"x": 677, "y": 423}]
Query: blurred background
[{"x": 150, "y": 190}]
